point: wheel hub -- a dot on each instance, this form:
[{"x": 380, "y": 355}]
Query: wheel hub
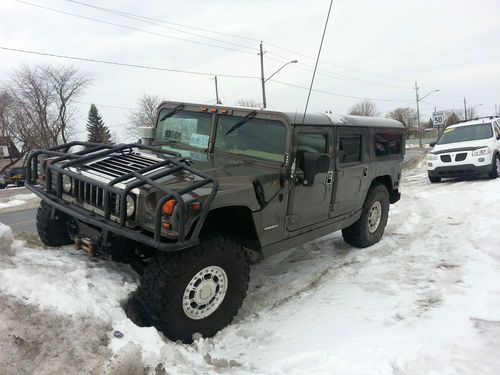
[
  {"x": 374, "y": 217},
  {"x": 204, "y": 292}
]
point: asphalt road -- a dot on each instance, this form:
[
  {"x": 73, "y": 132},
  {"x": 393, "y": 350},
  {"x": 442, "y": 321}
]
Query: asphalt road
[{"x": 20, "y": 221}]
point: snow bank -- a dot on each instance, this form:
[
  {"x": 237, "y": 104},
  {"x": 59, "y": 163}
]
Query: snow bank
[
  {"x": 17, "y": 200},
  {"x": 423, "y": 300},
  {"x": 6, "y": 240}
]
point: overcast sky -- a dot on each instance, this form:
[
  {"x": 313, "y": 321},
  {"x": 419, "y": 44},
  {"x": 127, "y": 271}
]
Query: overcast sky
[{"x": 373, "y": 49}]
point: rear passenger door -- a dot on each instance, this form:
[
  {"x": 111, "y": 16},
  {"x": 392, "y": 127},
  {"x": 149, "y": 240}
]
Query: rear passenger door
[{"x": 351, "y": 169}]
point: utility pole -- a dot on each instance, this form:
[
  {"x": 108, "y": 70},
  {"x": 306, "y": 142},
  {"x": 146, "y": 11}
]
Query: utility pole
[
  {"x": 496, "y": 112},
  {"x": 418, "y": 116},
  {"x": 217, "y": 92},
  {"x": 264, "y": 104},
  {"x": 465, "y": 109}
]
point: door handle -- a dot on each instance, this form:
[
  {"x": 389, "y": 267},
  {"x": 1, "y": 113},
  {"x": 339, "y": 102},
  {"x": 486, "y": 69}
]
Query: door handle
[
  {"x": 329, "y": 177},
  {"x": 365, "y": 171}
]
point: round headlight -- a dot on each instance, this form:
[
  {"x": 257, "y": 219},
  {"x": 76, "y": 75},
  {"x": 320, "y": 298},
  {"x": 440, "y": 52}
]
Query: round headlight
[
  {"x": 130, "y": 205},
  {"x": 67, "y": 184}
]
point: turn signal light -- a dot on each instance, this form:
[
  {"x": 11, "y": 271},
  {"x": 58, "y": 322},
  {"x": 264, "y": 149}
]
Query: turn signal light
[
  {"x": 168, "y": 207},
  {"x": 196, "y": 206},
  {"x": 167, "y": 225}
]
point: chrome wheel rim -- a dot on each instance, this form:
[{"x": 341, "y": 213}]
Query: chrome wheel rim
[
  {"x": 374, "y": 216},
  {"x": 204, "y": 293}
]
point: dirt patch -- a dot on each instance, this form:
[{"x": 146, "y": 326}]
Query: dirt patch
[{"x": 34, "y": 341}]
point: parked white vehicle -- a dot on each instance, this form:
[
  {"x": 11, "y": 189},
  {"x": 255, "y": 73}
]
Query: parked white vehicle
[{"x": 470, "y": 148}]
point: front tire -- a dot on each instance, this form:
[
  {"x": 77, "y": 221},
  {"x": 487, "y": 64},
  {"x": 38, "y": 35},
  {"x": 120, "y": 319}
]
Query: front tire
[
  {"x": 369, "y": 228},
  {"x": 495, "y": 168},
  {"x": 52, "y": 231},
  {"x": 198, "y": 290}
]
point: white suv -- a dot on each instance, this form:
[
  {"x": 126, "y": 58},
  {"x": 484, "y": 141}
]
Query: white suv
[{"x": 470, "y": 148}]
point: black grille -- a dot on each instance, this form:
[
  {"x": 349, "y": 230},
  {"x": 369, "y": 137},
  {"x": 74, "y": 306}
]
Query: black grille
[
  {"x": 446, "y": 158},
  {"x": 461, "y": 156},
  {"x": 118, "y": 165},
  {"x": 84, "y": 192},
  {"x": 457, "y": 172}
]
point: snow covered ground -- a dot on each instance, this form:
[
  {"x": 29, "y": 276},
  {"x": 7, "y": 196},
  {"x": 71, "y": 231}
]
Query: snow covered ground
[
  {"x": 17, "y": 200},
  {"x": 425, "y": 300}
]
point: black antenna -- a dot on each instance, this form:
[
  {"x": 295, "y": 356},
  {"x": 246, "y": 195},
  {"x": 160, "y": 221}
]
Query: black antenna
[{"x": 317, "y": 61}]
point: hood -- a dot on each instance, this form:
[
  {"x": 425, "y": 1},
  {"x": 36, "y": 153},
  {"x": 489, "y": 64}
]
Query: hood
[{"x": 460, "y": 146}]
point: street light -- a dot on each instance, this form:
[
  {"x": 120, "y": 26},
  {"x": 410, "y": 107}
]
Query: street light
[
  {"x": 264, "y": 80},
  {"x": 419, "y": 99}
]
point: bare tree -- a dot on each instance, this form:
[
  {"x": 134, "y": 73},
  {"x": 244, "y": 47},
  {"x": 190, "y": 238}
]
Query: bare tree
[
  {"x": 364, "y": 108},
  {"x": 408, "y": 117},
  {"x": 145, "y": 114},
  {"x": 44, "y": 95},
  {"x": 250, "y": 103}
]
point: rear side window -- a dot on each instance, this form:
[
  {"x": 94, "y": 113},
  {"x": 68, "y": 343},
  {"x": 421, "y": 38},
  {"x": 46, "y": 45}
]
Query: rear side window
[
  {"x": 350, "y": 148},
  {"x": 387, "y": 144},
  {"x": 497, "y": 130}
]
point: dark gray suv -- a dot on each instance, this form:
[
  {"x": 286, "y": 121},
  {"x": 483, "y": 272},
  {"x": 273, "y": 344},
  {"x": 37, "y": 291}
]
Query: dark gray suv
[{"x": 209, "y": 190}]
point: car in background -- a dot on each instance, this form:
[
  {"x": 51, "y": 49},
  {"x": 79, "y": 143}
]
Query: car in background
[
  {"x": 469, "y": 148},
  {"x": 16, "y": 176}
]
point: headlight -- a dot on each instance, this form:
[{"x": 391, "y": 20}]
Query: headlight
[
  {"x": 432, "y": 157},
  {"x": 481, "y": 151},
  {"x": 130, "y": 205},
  {"x": 67, "y": 184}
]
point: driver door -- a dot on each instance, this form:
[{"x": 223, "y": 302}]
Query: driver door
[{"x": 310, "y": 203}]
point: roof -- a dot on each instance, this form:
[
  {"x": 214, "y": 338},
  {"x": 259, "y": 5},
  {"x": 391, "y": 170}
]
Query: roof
[
  {"x": 314, "y": 119},
  {"x": 476, "y": 121},
  {"x": 13, "y": 151}
]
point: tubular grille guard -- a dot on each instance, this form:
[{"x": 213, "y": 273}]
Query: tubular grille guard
[{"x": 171, "y": 164}]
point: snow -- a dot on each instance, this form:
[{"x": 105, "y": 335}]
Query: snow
[
  {"x": 423, "y": 300},
  {"x": 17, "y": 200},
  {"x": 6, "y": 240}
]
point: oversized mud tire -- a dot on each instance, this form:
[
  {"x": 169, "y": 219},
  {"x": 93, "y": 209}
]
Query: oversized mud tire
[
  {"x": 198, "y": 290},
  {"x": 52, "y": 231},
  {"x": 369, "y": 228},
  {"x": 495, "y": 168},
  {"x": 434, "y": 179}
]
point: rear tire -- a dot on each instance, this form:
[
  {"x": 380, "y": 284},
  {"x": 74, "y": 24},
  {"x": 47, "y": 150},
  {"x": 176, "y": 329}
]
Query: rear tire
[
  {"x": 52, "y": 231},
  {"x": 198, "y": 290},
  {"x": 369, "y": 228},
  {"x": 433, "y": 179},
  {"x": 495, "y": 168}
]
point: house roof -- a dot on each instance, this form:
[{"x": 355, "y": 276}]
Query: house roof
[{"x": 13, "y": 151}]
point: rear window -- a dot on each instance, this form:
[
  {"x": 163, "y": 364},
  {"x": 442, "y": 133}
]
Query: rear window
[
  {"x": 387, "y": 144},
  {"x": 465, "y": 133}
]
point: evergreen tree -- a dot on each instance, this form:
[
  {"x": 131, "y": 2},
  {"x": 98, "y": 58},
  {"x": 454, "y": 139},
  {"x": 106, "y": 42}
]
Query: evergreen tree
[{"x": 98, "y": 132}]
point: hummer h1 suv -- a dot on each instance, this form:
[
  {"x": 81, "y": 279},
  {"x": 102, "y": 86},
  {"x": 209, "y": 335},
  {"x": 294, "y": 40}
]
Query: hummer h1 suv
[{"x": 209, "y": 189}]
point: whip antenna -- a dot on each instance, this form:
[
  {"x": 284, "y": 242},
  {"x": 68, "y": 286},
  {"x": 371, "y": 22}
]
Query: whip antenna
[{"x": 317, "y": 61}]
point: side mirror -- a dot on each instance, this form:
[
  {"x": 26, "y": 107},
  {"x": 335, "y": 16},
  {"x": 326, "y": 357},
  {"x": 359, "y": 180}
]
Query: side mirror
[
  {"x": 432, "y": 144},
  {"x": 310, "y": 164}
]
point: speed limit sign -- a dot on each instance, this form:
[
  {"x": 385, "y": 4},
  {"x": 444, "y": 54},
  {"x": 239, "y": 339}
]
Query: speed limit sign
[{"x": 438, "y": 119}]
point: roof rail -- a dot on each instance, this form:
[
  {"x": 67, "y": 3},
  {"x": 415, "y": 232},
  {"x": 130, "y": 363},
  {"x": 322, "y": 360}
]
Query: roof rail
[{"x": 478, "y": 118}]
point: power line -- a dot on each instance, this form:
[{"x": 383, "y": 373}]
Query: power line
[
  {"x": 128, "y": 27},
  {"x": 127, "y": 64},
  {"x": 341, "y": 95},
  {"x": 156, "y": 23},
  {"x": 171, "y": 23}
]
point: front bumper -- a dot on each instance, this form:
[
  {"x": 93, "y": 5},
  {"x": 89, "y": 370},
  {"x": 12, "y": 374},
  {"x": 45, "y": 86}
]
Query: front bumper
[{"x": 463, "y": 170}]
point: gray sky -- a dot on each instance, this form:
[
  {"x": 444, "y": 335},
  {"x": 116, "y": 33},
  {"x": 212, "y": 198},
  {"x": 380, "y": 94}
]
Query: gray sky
[{"x": 372, "y": 49}]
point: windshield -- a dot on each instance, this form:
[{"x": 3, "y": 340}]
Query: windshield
[
  {"x": 191, "y": 129},
  {"x": 257, "y": 138},
  {"x": 465, "y": 133}
]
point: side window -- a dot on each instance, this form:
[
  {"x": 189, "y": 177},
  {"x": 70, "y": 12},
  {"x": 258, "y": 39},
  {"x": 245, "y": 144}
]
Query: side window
[
  {"x": 312, "y": 142},
  {"x": 349, "y": 148},
  {"x": 497, "y": 129},
  {"x": 387, "y": 144}
]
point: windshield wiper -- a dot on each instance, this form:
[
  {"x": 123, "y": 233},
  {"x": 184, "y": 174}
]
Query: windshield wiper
[
  {"x": 244, "y": 120},
  {"x": 172, "y": 112}
]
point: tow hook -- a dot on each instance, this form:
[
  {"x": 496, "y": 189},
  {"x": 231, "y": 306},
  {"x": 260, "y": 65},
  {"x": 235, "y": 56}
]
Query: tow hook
[{"x": 86, "y": 245}]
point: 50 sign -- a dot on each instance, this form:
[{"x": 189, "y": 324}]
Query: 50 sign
[{"x": 438, "y": 119}]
